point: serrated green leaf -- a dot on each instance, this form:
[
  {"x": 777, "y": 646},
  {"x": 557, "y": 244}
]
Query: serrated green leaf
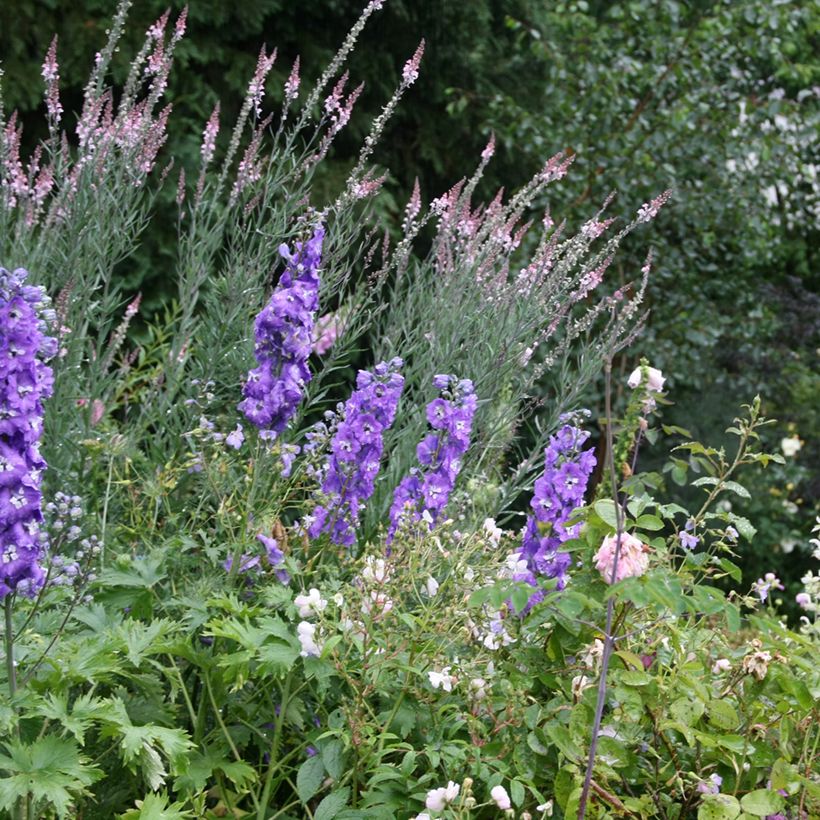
[
  {"x": 332, "y": 804},
  {"x": 309, "y": 778},
  {"x": 333, "y": 757}
]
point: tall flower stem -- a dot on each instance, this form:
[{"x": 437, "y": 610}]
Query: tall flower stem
[
  {"x": 8, "y": 640},
  {"x": 609, "y": 638}
]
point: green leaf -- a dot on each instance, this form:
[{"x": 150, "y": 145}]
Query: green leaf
[
  {"x": 50, "y": 771},
  {"x": 156, "y": 807},
  {"x": 333, "y": 757},
  {"x": 718, "y": 807},
  {"x": 686, "y": 711},
  {"x": 309, "y": 778},
  {"x": 277, "y": 658},
  {"x": 517, "y": 792},
  {"x": 649, "y": 522},
  {"x": 331, "y": 805},
  {"x": 722, "y": 714},
  {"x": 761, "y": 802},
  {"x": 737, "y": 489},
  {"x": 606, "y": 511}
]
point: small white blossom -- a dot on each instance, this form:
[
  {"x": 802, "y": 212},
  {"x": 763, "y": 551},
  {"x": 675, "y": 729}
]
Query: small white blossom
[
  {"x": 437, "y": 799},
  {"x": 501, "y": 798},
  {"x": 441, "y": 679},
  {"x": 306, "y": 633},
  {"x": 310, "y": 604},
  {"x": 431, "y": 586}
]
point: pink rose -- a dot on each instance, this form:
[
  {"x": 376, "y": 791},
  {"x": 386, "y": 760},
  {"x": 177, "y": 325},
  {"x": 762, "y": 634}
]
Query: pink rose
[{"x": 633, "y": 559}]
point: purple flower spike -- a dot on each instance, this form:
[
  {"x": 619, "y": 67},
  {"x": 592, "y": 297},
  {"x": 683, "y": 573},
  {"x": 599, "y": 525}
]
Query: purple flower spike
[
  {"x": 284, "y": 331},
  {"x": 349, "y": 474},
  {"x": 25, "y": 380},
  {"x": 558, "y": 492},
  {"x": 427, "y": 490}
]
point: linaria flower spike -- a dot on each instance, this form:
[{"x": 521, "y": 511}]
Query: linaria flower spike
[
  {"x": 284, "y": 331},
  {"x": 25, "y": 380}
]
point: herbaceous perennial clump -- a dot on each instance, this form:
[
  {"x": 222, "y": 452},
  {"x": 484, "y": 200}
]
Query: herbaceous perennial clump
[
  {"x": 25, "y": 380},
  {"x": 557, "y": 493},
  {"x": 284, "y": 337},
  {"x": 348, "y": 476},
  {"x": 427, "y": 489}
]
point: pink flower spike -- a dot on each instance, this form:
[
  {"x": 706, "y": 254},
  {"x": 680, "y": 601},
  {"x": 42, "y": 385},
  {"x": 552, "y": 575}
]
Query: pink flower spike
[
  {"x": 410, "y": 72},
  {"x": 333, "y": 101},
  {"x": 649, "y": 210},
  {"x": 181, "y": 24},
  {"x": 51, "y": 75},
  {"x": 156, "y": 31},
  {"x": 292, "y": 84},
  {"x": 413, "y": 205},
  {"x": 487, "y": 153},
  {"x": 209, "y": 136}
]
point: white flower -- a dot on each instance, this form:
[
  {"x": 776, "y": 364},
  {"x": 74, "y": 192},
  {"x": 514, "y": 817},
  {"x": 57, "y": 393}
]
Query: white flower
[
  {"x": 502, "y": 799},
  {"x": 306, "y": 632},
  {"x": 310, "y": 604},
  {"x": 546, "y": 808},
  {"x": 654, "y": 381},
  {"x": 791, "y": 446},
  {"x": 378, "y": 604},
  {"x": 375, "y": 569},
  {"x": 437, "y": 799},
  {"x": 441, "y": 679},
  {"x": 477, "y": 686},
  {"x": 422, "y": 816},
  {"x": 431, "y": 586},
  {"x": 592, "y": 657},
  {"x": 721, "y": 665},
  {"x": 493, "y": 531},
  {"x": 579, "y": 683}
]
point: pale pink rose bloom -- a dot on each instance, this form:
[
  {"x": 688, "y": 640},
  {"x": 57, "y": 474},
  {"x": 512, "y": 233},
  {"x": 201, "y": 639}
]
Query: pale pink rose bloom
[
  {"x": 632, "y": 561},
  {"x": 502, "y": 799},
  {"x": 655, "y": 379}
]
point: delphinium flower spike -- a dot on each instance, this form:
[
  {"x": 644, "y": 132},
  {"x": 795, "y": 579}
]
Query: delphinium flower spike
[
  {"x": 557, "y": 493},
  {"x": 284, "y": 331},
  {"x": 427, "y": 488},
  {"x": 348, "y": 476},
  {"x": 25, "y": 380}
]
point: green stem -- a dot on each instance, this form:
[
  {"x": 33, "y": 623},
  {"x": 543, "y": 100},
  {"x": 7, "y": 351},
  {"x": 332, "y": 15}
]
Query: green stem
[
  {"x": 274, "y": 749},
  {"x": 20, "y": 810}
]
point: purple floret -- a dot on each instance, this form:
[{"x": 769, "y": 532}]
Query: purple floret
[
  {"x": 283, "y": 329},
  {"x": 25, "y": 381}
]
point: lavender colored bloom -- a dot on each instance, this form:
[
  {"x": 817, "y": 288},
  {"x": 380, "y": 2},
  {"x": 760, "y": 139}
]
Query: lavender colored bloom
[
  {"x": 25, "y": 380},
  {"x": 557, "y": 494},
  {"x": 348, "y": 475},
  {"x": 427, "y": 489},
  {"x": 284, "y": 331},
  {"x": 687, "y": 540}
]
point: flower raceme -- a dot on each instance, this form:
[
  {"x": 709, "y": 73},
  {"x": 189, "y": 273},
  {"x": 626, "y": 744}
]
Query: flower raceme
[
  {"x": 25, "y": 381},
  {"x": 427, "y": 489},
  {"x": 349, "y": 474},
  {"x": 557, "y": 494},
  {"x": 284, "y": 334}
]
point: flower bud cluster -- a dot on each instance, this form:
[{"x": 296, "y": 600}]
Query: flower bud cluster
[
  {"x": 356, "y": 446},
  {"x": 284, "y": 331},
  {"x": 557, "y": 494},
  {"x": 25, "y": 380},
  {"x": 427, "y": 489}
]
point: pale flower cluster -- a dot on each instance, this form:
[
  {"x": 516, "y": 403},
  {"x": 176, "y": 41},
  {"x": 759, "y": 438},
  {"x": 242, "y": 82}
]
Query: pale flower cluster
[
  {"x": 633, "y": 559},
  {"x": 438, "y": 799}
]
